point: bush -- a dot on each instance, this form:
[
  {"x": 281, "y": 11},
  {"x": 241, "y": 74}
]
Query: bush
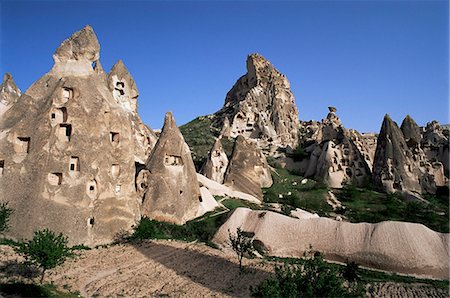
[
  {"x": 46, "y": 250},
  {"x": 312, "y": 277},
  {"x": 5, "y": 213},
  {"x": 241, "y": 244}
]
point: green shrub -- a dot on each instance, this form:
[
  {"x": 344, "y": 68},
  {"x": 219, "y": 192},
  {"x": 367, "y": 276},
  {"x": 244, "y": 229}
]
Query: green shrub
[
  {"x": 311, "y": 277},
  {"x": 5, "y": 213},
  {"x": 46, "y": 250}
]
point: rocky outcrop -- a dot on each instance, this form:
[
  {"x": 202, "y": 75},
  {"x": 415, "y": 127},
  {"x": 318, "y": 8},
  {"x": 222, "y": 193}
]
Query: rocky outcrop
[
  {"x": 402, "y": 247},
  {"x": 261, "y": 106},
  {"x": 435, "y": 144},
  {"x": 331, "y": 153},
  {"x": 248, "y": 170},
  {"x": 216, "y": 164},
  {"x": 9, "y": 93},
  {"x": 123, "y": 87},
  {"x": 70, "y": 153},
  {"x": 173, "y": 193}
]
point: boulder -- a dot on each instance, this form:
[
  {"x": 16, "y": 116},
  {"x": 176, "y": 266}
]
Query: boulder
[{"x": 173, "y": 194}]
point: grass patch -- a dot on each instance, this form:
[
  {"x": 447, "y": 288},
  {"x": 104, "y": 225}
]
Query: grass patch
[
  {"x": 32, "y": 290},
  {"x": 369, "y": 206},
  {"x": 310, "y": 196}
]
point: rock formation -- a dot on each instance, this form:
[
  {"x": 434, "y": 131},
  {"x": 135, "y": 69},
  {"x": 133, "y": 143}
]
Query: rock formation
[
  {"x": 331, "y": 153},
  {"x": 261, "y": 106},
  {"x": 9, "y": 93},
  {"x": 70, "y": 153},
  {"x": 403, "y": 247},
  {"x": 216, "y": 164},
  {"x": 173, "y": 193},
  {"x": 406, "y": 162},
  {"x": 123, "y": 87},
  {"x": 435, "y": 144},
  {"x": 248, "y": 170}
]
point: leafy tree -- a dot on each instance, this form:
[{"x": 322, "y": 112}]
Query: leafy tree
[
  {"x": 241, "y": 244},
  {"x": 350, "y": 272},
  {"x": 47, "y": 250},
  {"x": 5, "y": 213}
]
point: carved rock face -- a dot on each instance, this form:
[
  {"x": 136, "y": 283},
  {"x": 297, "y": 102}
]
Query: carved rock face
[
  {"x": 248, "y": 170},
  {"x": 70, "y": 153},
  {"x": 261, "y": 106},
  {"x": 216, "y": 164},
  {"x": 173, "y": 193},
  {"x": 123, "y": 87}
]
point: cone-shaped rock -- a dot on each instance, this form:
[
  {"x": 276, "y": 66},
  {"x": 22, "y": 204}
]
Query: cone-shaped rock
[
  {"x": 248, "y": 170},
  {"x": 123, "y": 87},
  {"x": 69, "y": 152},
  {"x": 394, "y": 169},
  {"x": 173, "y": 193},
  {"x": 411, "y": 132},
  {"x": 216, "y": 164},
  {"x": 9, "y": 93},
  {"x": 261, "y": 106}
]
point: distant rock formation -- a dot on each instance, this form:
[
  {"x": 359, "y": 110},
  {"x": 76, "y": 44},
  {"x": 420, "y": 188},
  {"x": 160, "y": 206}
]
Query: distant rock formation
[
  {"x": 173, "y": 193},
  {"x": 9, "y": 93},
  {"x": 406, "y": 162},
  {"x": 248, "y": 170},
  {"x": 261, "y": 106},
  {"x": 70, "y": 152},
  {"x": 402, "y": 247},
  {"x": 216, "y": 164},
  {"x": 331, "y": 153},
  {"x": 435, "y": 144}
]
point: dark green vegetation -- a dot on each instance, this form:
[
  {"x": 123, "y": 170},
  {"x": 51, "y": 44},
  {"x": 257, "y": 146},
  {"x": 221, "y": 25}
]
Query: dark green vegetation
[
  {"x": 310, "y": 196},
  {"x": 31, "y": 290},
  {"x": 309, "y": 277},
  {"x": 5, "y": 213},
  {"x": 364, "y": 205},
  {"x": 46, "y": 250},
  {"x": 200, "y": 135}
]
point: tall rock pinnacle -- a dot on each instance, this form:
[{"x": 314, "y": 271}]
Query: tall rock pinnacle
[
  {"x": 173, "y": 193},
  {"x": 9, "y": 92},
  {"x": 261, "y": 106},
  {"x": 123, "y": 87}
]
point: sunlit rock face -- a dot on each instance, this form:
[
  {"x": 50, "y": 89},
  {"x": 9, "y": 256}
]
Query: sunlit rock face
[
  {"x": 261, "y": 106},
  {"x": 332, "y": 154},
  {"x": 70, "y": 152},
  {"x": 173, "y": 193},
  {"x": 248, "y": 170},
  {"x": 9, "y": 93},
  {"x": 216, "y": 164}
]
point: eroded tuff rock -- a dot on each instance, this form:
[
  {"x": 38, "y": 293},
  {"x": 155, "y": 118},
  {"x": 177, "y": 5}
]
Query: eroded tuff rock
[
  {"x": 216, "y": 163},
  {"x": 69, "y": 153},
  {"x": 331, "y": 153},
  {"x": 435, "y": 144},
  {"x": 9, "y": 93},
  {"x": 261, "y": 106},
  {"x": 248, "y": 170},
  {"x": 394, "y": 168},
  {"x": 173, "y": 193},
  {"x": 123, "y": 87}
]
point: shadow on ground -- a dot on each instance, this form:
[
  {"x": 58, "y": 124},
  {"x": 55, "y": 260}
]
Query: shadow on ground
[
  {"x": 211, "y": 271},
  {"x": 18, "y": 269}
]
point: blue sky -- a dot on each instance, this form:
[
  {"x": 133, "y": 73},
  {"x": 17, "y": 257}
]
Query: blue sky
[{"x": 366, "y": 58}]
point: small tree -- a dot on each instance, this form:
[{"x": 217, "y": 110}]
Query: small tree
[
  {"x": 241, "y": 245},
  {"x": 47, "y": 250},
  {"x": 5, "y": 213}
]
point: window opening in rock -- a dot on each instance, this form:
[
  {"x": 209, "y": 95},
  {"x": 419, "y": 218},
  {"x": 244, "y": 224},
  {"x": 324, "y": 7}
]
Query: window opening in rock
[
  {"x": 53, "y": 116},
  {"x": 114, "y": 137},
  {"x": 91, "y": 221},
  {"x": 54, "y": 178},
  {"x": 2, "y": 167},
  {"x": 173, "y": 160},
  {"x": 23, "y": 145},
  {"x": 200, "y": 199},
  {"x": 91, "y": 188},
  {"x": 67, "y": 93},
  {"x": 74, "y": 164},
  {"x": 65, "y": 132}
]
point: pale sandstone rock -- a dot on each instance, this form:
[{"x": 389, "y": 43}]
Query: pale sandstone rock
[
  {"x": 173, "y": 194},
  {"x": 261, "y": 106},
  {"x": 248, "y": 170},
  {"x": 9, "y": 93},
  {"x": 216, "y": 163},
  {"x": 394, "y": 246},
  {"x": 208, "y": 203},
  {"x": 69, "y": 153},
  {"x": 123, "y": 87}
]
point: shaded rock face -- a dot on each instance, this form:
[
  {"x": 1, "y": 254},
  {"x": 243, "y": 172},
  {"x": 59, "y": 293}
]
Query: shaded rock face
[
  {"x": 261, "y": 106},
  {"x": 69, "y": 152},
  {"x": 216, "y": 164},
  {"x": 173, "y": 193},
  {"x": 248, "y": 170},
  {"x": 411, "y": 132},
  {"x": 9, "y": 93},
  {"x": 332, "y": 154},
  {"x": 435, "y": 144},
  {"x": 394, "y": 168}
]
